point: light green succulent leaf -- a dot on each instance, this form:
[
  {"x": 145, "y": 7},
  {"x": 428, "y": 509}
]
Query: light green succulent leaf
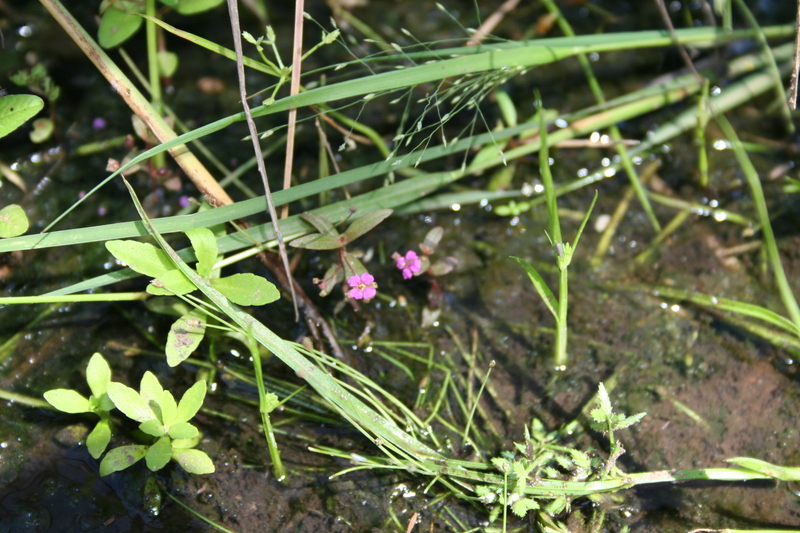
[
  {"x": 98, "y": 375},
  {"x": 194, "y": 461},
  {"x": 169, "y": 409},
  {"x": 121, "y": 458},
  {"x": 130, "y": 402},
  {"x": 191, "y": 402},
  {"x": 153, "y": 427},
  {"x": 98, "y": 439},
  {"x": 159, "y": 454},
  {"x": 183, "y": 430},
  {"x": 68, "y": 400}
]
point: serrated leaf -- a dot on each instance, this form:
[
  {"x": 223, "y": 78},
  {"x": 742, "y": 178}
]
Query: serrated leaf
[
  {"x": 153, "y": 427},
  {"x": 185, "y": 336},
  {"x": 598, "y": 415},
  {"x": 121, "y": 458},
  {"x": 98, "y": 439},
  {"x": 117, "y": 26},
  {"x": 539, "y": 284},
  {"x": 365, "y": 223},
  {"x": 190, "y": 7},
  {"x": 246, "y": 289},
  {"x": 170, "y": 283},
  {"x": 130, "y": 402},
  {"x": 142, "y": 257},
  {"x": 603, "y": 401},
  {"x": 191, "y": 402},
  {"x": 159, "y": 454},
  {"x": 183, "y": 430},
  {"x": 98, "y": 375},
  {"x": 68, "y": 401},
  {"x": 194, "y": 461},
  {"x": 16, "y": 110},
  {"x": 521, "y": 507},
  {"x": 629, "y": 421},
  {"x": 13, "y": 220},
  {"x": 205, "y": 249}
]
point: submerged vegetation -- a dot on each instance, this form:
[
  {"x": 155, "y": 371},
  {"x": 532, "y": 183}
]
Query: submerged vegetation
[{"x": 346, "y": 334}]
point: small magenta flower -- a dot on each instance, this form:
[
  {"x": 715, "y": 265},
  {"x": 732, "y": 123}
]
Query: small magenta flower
[
  {"x": 410, "y": 264},
  {"x": 362, "y": 287}
]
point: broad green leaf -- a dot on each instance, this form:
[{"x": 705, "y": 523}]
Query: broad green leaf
[
  {"x": 121, "y": 458},
  {"x": 167, "y": 63},
  {"x": 169, "y": 409},
  {"x": 98, "y": 374},
  {"x": 16, "y": 109},
  {"x": 153, "y": 427},
  {"x": 117, "y": 26},
  {"x": 42, "y": 130},
  {"x": 194, "y": 461},
  {"x": 183, "y": 430},
  {"x": 98, "y": 439},
  {"x": 246, "y": 289},
  {"x": 67, "y": 400},
  {"x": 320, "y": 241},
  {"x": 190, "y": 7},
  {"x": 191, "y": 402},
  {"x": 142, "y": 257},
  {"x": 184, "y": 337},
  {"x": 13, "y": 220},
  {"x": 205, "y": 249},
  {"x": 169, "y": 283},
  {"x": 130, "y": 402},
  {"x": 365, "y": 223},
  {"x": 150, "y": 389},
  {"x": 539, "y": 284},
  {"x": 159, "y": 454}
]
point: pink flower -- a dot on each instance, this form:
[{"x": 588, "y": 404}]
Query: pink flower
[
  {"x": 410, "y": 264},
  {"x": 362, "y": 287}
]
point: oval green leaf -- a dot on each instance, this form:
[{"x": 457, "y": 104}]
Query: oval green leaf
[
  {"x": 13, "y": 221},
  {"x": 121, "y": 458},
  {"x": 98, "y": 374},
  {"x": 16, "y": 109},
  {"x": 117, "y": 26},
  {"x": 185, "y": 336},
  {"x": 190, "y": 7},
  {"x": 205, "y": 249},
  {"x": 98, "y": 439},
  {"x": 130, "y": 402},
  {"x": 171, "y": 282},
  {"x": 191, "y": 402},
  {"x": 183, "y": 430},
  {"x": 142, "y": 257},
  {"x": 159, "y": 454},
  {"x": 364, "y": 224},
  {"x": 246, "y": 289},
  {"x": 67, "y": 400},
  {"x": 194, "y": 461}
]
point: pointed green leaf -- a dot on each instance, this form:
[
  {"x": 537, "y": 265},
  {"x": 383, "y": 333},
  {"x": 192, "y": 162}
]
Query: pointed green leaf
[
  {"x": 13, "y": 220},
  {"x": 246, "y": 289},
  {"x": 16, "y": 109},
  {"x": 205, "y": 249},
  {"x": 159, "y": 454},
  {"x": 183, "y": 430},
  {"x": 117, "y": 26},
  {"x": 365, "y": 223},
  {"x": 585, "y": 220},
  {"x": 169, "y": 283},
  {"x": 130, "y": 402},
  {"x": 98, "y": 375},
  {"x": 142, "y": 257},
  {"x": 191, "y": 402},
  {"x": 98, "y": 439},
  {"x": 539, "y": 284},
  {"x": 190, "y": 7},
  {"x": 67, "y": 400},
  {"x": 153, "y": 427},
  {"x": 194, "y": 461},
  {"x": 320, "y": 241},
  {"x": 121, "y": 458},
  {"x": 185, "y": 336},
  {"x": 320, "y": 223}
]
